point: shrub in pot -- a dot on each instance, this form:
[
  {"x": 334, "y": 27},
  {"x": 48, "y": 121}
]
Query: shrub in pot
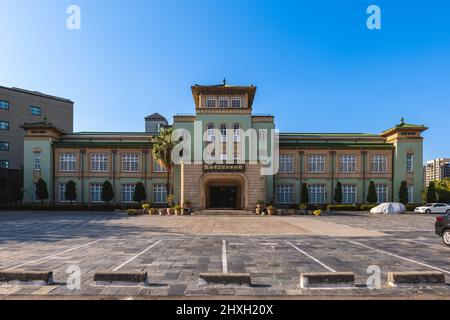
[
  {"x": 170, "y": 211},
  {"x": 178, "y": 210},
  {"x": 259, "y": 206},
  {"x": 271, "y": 210}
]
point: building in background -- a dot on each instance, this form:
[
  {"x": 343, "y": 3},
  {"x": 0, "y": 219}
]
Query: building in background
[
  {"x": 18, "y": 106},
  {"x": 222, "y": 113},
  {"x": 436, "y": 169}
]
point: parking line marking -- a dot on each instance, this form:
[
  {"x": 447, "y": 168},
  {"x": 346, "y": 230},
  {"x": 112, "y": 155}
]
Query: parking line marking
[
  {"x": 399, "y": 257},
  {"x": 424, "y": 243},
  {"x": 136, "y": 256},
  {"x": 56, "y": 254},
  {"x": 311, "y": 257},
  {"x": 224, "y": 257}
]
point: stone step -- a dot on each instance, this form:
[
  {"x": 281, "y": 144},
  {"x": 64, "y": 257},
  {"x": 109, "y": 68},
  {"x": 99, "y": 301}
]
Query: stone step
[{"x": 223, "y": 212}]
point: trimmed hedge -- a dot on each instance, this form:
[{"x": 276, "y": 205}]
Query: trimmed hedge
[
  {"x": 74, "y": 207},
  {"x": 343, "y": 207},
  {"x": 367, "y": 207}
]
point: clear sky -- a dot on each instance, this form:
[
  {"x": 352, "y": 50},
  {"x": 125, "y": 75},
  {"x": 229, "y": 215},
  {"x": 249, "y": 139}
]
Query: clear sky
[{"x": 317, "y": 66}]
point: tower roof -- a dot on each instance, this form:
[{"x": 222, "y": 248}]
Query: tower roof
[
  {"x": 225, "y": 89},
  {"x": 156, "y": 116}
]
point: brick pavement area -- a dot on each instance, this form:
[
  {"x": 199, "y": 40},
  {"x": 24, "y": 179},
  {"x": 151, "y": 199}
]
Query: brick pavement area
[{"x": 174, "y": 250}]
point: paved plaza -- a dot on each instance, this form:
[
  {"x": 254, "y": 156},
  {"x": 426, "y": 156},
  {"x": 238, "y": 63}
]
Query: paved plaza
[{"x": 173, "y": 250}]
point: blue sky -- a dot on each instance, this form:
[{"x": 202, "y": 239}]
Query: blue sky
[{"x": 317, "y": 67}]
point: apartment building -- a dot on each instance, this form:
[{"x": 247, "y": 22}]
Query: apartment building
[{"x": 436, "y": 169}]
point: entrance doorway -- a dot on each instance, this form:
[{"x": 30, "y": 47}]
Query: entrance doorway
[{"x": 223, "y": 197}]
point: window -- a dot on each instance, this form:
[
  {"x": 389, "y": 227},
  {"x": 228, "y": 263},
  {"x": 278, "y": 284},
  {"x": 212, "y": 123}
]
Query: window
[
  {"x": 4, "y": 105},
  {"x": 348, "y": 164},
  {"x": 286, "y": 163},
  {"x": 210, "y": 132},
  {"x": 130, "y": 163},
  {"x": 262, "y": 135},
  {"x": 157, "y": 167},
  {"x": 96, "y": 192},
  {"x": 349, "y": 194},
  {"x": 223, "y": 132},
  {"x": 410, "y": 194},
  {"x": 211, "y": 102},
  {"x": 236, "y": 102},
  {"x": 62, "y": 192},
  {"x": 317, "y": 194},
  {"x": 159, "y": 193},
  {"x": 223, "y": 102},
  {"x": 37, "y": 160},
  {"x": 382, "y": 192},
  {"x": 285, "y": 194},
  {"x": 409, "y": 162},
  {"x": 379, "y": 164},
  {"x": 99, "y": 162},
  {"x": 316, "y": 163},
  {"x": 35, "y": 111},
  {"x": 4, "y": 164},
  {"x": 67, "y": 162},
  {"x": 127, "y": 192},
  {"x": 35, "y": 197},
  {"x": 236, "y": 133},
  {"x": 4, "y": 125},
  {"x": 4, "y": 146}
]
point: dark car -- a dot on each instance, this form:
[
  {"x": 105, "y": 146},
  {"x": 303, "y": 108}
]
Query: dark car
[{"x": 442, "y": 228}]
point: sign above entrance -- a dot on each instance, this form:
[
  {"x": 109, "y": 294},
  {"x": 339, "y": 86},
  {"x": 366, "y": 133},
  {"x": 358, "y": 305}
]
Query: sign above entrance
[{"x": 223, "y": 167}]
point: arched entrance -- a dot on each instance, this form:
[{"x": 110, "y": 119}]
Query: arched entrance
[{"x": 223, "y": 191}]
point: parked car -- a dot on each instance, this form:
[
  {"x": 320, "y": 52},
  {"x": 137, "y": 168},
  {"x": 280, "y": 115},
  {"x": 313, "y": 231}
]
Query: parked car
[
  {"x": 433, "y": 208},
  {"x": 442, "y": 228}
]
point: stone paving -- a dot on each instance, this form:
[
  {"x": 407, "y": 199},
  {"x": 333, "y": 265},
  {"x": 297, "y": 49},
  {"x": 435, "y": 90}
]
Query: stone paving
[{"x": 174, "y": 250}]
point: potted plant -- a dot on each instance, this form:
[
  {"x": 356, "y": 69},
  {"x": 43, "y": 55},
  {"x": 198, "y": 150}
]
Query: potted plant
[
  {"x": 162, "y": 211},
  {"x": 170, "y": 211},
  {"x": 146, "y": 208},
  {"x": 271, "y": 210},
  {"x": 317, "y": 212},
  {"x": 187, "y": 205},
  {"x": 153, "y": 211},
  {"x": 259, "y": 207},
  {"x": 178, "y": 210},
  {"x": 303, "y": 209}
]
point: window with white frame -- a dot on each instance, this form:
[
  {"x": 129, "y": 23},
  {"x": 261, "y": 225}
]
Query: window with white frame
[
  {"x": 236, "y": 133},
  {"x": 130, "y": 163},
  {"x": 316, "y": 163},
  {"x": 317, "y": 193},
  {"x": 211, "y": 102},
  {"x": 95, "y": 192},
  {"x": 37, "y": 161},
  {"x": 67, "y": 162},
  {"x": 223, "y": 102},
  {"x": 348, "y": 164},
  {"x": 382, "y": 193},
  {"x": 410, "y": 194},
  {"x": 157, "y": 167},
  {"x": 349, "y": 194},
  {"x": 210, "y": 132},
  {"x": 409, "y": 162},
  {"x": 62, "y": 192},
  {"x": 127, "y": 192},
  {"x": 236, "y": 102},
  {"x": 379, "y": 164},
  {"x": 286, "y": 163},
  {"x": 99, "y": 162},
  {"x": 285, "y": 194},
  {"x": 159, "y": 193},
  {"x": 223, "y": 132}
]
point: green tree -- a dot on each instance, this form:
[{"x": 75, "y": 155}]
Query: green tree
[
  {"x": 162, "y": 152},
  {"x": 107, "y": 191},
  {"x": 443, "y": 190},
  {"x": 139, "y": 194},
  {"x": 403, "y": 193},
  {"x": 338, "y": 193},
  {"x": 304, "y": 194},
  {"x": 431, "y": 192},
  {"x": 41, "y": 190},
  {"x": 372, "y": 193},
  {"x": 71, "y": 191}
]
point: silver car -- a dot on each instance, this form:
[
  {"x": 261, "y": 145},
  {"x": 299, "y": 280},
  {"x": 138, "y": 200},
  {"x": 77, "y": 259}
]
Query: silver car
[{"x": 433, "y": 208}]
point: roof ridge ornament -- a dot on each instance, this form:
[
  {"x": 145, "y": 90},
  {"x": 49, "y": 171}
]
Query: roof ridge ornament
[
  {"x": 402, "y": 121},
  {"x": 224, "y": 82}
]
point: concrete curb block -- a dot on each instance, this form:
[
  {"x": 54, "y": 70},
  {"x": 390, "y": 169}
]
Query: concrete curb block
[
  {"x": 396, "y": 279},
  {"x": 226, "y": 278},
  {"x": 39, "y": 278},
  {"x": 327, "y": 280},
  {"x": 121, "y": 278}
]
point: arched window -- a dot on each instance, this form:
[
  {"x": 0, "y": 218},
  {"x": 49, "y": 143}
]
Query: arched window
[
  {"x": 223, "y": 132},
  {"x": 210, "y": 132},
  {"x": 236, "y": 132}
]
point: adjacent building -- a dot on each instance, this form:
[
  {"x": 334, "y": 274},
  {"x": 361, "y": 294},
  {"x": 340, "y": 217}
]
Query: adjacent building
[
  {"x": 436, "y": 169},
  {"x": 223, "y": 119}
]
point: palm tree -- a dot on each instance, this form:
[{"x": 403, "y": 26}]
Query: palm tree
[{"x": 162, "y": 152}]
